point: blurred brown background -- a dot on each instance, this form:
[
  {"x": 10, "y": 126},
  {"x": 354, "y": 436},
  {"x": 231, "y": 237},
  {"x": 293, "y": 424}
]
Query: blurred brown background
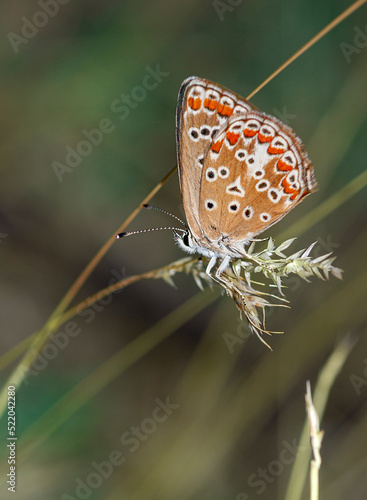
[{"x": 65, "y": 69}]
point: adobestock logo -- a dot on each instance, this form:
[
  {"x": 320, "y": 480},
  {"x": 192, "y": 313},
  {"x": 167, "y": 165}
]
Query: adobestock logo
[
  {"x": 121, "y": 107},
  {"x": 31, "y": 27},
  {"x": 260, "y": 479},
  {"x": 126, "y": 103},
  {"x": 360, "y": 42},
  {"x": 61, "y": 339},
  {"x": 221, "y": 7},
  {"x": 131, "y": 440},
  {"x": 74, "y": 156},
  {"x": 359, "y": 382}
]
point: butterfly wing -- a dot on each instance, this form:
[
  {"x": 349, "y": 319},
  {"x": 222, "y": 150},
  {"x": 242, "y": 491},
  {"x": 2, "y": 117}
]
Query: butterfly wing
[
  {"x": 254, "y": 173},
  {"x": 203, "y": 111}
]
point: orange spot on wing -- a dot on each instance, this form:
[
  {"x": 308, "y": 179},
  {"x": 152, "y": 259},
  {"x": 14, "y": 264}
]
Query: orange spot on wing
[
  {"x": 264, "y": 138},
  {"x": 232, "y": 137},
  {"x": 288, "y": 189},
  {"x": 275, "y": 151},
  {"x": 282, "y": 165},
  {"x": 224, "y": 110},
  {"x": 217, "y": 145},
  {"x": 249, "y": 132},
  {"x": 211, "y": 104},
  {"x": 194, "y": 104}
]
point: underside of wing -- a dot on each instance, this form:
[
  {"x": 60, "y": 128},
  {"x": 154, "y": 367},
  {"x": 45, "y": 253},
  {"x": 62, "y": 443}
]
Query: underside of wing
[
  {"x": 203, "y": 111},
  {"x": 254, "y": 173}
]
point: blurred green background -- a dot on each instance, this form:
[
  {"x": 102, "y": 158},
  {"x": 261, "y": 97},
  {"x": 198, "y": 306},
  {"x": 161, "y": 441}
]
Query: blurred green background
[{"x": 235, "y": 407}]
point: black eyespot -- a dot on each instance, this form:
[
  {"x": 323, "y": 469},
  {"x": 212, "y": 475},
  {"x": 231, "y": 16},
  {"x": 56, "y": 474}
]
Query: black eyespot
[
  {"x": 210, "y": 175},
  {"x": 241, "y": 154},
  {"x": 258, "y": 173},
  {"x": 233, "y": 207},
  {"x": 201, "y": 160},
  {"x": 262, "y": 185},
  {"x": 205, "y": 131},
  {"x": 247, "y": 212},
  {"x": 194, "y": 134},
  {"x": 273, "y": 194},
  {"x": 223, "y": 171},
  {"x": 250, "y": 160}
]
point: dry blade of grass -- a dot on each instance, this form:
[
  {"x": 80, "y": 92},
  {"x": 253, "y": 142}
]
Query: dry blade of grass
[
  {"x": 109, "y": 370},
  {"x": 316, "y": 437},
  {"x": 324, "y": 383},
  {"x": 39, "y": 340}
]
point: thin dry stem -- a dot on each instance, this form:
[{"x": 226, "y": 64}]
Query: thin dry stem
[
  {"x": 39, "y": 339},
  {"x": 316, "y": 439},
  {"x": 310, "y": 43}
]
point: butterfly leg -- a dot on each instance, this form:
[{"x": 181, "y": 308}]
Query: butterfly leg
[
  {"x": 223, "y": 265},
  {"x": 211, "y": 264}
]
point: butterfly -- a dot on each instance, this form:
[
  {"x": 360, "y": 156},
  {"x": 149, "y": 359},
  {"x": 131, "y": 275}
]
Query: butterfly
[{"x": 240, "y": 170}]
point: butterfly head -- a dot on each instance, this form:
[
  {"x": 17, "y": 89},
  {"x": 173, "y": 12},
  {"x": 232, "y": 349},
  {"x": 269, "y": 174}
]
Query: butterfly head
[{"x": 185, "y": 241}]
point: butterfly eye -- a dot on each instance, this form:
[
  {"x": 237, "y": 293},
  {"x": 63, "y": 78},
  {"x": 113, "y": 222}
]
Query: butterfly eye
[
  {"x": 210, "y": 204},
  {"x": 186, "y": 240},
  {"x": 223, "y": 172},
  {"x": 211, "y": 174}
]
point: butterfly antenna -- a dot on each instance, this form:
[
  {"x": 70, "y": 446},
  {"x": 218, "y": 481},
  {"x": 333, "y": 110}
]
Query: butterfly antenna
[
  {"x": 129, "y": 233},
  {"x": 151, "y": 207}
]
